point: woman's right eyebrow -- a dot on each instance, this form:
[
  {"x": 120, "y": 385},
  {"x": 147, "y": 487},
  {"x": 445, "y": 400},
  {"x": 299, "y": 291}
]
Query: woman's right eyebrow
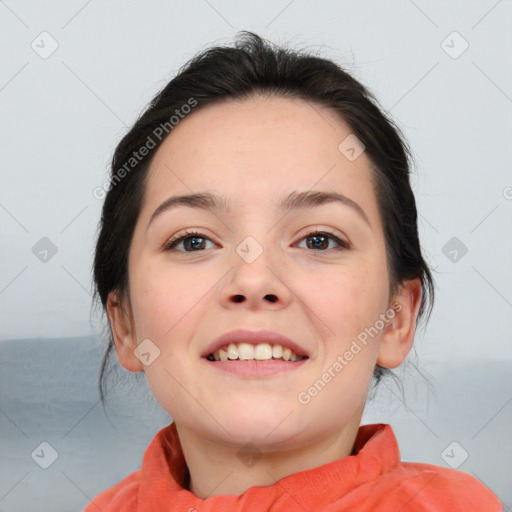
[{"x": 295, "y": 200}]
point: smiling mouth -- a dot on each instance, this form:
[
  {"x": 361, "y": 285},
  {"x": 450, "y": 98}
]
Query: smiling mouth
[{"x": 261, "y": 352}]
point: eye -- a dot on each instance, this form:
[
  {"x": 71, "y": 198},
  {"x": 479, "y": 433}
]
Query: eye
[
  {"x": 195, "y": 241},
  {"x": 320, "y": 241}
]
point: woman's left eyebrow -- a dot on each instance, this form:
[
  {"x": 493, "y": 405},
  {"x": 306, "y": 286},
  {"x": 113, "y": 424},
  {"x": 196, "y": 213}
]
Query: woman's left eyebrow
[{"x": 295, "y": 200}]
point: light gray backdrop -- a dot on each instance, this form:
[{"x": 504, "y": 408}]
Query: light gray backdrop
[{"x": 75, "y": 75}]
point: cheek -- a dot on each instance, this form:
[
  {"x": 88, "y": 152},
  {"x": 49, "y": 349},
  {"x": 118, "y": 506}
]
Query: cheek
[
  {"x": 347, "y": 293},
  {"x": 165, "y": 298},
  {"x": 347, "y": 301}
]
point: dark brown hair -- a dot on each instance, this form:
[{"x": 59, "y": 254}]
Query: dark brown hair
[{"x": 250, "y": 67}]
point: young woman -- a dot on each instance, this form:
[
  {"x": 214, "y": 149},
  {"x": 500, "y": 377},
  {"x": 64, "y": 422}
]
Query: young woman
[{"x": 258, "y": 259}]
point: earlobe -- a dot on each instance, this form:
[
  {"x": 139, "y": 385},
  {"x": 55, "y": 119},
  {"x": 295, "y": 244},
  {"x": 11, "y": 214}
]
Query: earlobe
[
  {"x": 398, "y": 338},
  {"x": 122, "y": 333}
]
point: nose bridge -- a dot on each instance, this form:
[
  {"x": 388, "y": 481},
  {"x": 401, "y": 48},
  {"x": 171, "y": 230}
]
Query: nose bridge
[{"x": 258, "y": 236}]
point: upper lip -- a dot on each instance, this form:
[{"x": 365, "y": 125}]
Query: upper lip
[{"x": 253, "y": 337}]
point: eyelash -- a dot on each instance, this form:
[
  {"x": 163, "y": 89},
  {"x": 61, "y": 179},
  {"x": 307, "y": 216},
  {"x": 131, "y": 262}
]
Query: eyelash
[{"x": 173, "y": 242}]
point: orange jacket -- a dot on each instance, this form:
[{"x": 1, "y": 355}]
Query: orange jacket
[{"x": 373, "y": 479}]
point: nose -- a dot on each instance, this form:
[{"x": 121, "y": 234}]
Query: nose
[{"x": 256, "y": 284}]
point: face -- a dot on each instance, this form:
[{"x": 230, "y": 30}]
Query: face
[{"x": 325, "y": 290}]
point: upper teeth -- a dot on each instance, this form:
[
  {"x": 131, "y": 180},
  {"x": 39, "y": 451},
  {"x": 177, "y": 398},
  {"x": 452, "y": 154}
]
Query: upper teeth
[{"x": 261, "y": 352}]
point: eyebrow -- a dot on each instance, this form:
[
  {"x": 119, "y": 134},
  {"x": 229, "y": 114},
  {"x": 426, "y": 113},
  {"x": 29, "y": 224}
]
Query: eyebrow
[{"x": 296, "y": 200}]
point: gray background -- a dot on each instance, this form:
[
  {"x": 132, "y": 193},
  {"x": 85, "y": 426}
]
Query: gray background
[{"x": 62, "y": 116}]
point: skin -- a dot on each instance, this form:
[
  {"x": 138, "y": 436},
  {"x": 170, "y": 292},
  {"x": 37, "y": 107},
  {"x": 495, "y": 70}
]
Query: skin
[{"x": 254, "y": 152}]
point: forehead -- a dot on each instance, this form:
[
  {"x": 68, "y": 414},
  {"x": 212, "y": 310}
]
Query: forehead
[{"x": 258, "y": 148}]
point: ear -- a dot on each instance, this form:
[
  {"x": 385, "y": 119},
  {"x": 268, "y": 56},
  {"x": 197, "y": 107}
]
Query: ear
[
  {"x": 123, "y": 333},
  {"x": 397, "y": 340}
]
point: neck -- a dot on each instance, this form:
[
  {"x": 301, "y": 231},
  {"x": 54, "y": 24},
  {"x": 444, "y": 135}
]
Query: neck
[{"x": 217, "y": 469}]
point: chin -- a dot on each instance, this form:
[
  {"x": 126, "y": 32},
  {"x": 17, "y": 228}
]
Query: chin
[{"x": 262, "y": 426}]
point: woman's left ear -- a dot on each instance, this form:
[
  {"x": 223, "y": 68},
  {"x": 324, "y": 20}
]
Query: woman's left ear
[{"x": 397, "y": 340}]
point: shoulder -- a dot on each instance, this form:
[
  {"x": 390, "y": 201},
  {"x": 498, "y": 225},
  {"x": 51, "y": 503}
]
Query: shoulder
[
  {"x": 154, "y": 473},
  {"x": 423, "y": 487},
  {"x": 120, "y": 497}
]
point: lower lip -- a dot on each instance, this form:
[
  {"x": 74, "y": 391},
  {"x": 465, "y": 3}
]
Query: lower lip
[{"x": 254, "y": 368}]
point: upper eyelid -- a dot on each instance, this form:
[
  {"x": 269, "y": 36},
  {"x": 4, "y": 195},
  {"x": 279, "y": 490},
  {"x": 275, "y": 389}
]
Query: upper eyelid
[{"x": 193, "y": 232}]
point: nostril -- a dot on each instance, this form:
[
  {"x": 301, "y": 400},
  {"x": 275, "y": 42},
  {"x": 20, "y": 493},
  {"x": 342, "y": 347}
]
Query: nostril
[{"x": 240, "y": 298}]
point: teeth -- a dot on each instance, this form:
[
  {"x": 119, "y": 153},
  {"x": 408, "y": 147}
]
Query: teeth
[
  {"x": 277, "y": 351},
  {"x": 245, "y": 351},
  {"x": 263, "y": 351},
  {"x": 223, "y": 354},
  {"x": 232, "y": 351},
  {"x": 260, "y": 352}
]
